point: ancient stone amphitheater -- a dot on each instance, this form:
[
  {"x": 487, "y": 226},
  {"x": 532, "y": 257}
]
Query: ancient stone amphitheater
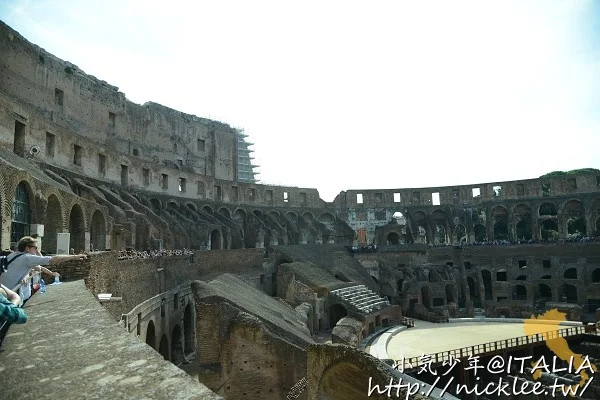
[{"x": 262, "y": 292}]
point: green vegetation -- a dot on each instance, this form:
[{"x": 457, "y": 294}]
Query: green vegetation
[{"x": 572, "y": 172}]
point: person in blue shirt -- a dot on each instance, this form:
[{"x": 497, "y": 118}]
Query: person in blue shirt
[
  {"x": 10, "y": 311},
  {"x": 9, "y": 307}
]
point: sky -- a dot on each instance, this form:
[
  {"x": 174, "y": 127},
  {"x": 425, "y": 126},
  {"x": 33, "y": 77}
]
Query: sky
[{"x": 339, "y": 95}]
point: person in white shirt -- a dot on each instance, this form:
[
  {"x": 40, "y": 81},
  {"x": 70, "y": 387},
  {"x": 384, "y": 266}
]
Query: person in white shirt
[{"x": 26, "y": 257}]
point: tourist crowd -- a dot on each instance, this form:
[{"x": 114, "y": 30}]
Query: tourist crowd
[
  {"x": 577, "y": 239},
  {"x": 132, "y": 254}
]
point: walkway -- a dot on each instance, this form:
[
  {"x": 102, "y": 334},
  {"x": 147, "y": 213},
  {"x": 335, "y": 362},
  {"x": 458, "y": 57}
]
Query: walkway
[{"x": 72, "y": 349}]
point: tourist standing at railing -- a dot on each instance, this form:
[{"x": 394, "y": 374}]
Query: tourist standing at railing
[{"x": 21, "y": 266}]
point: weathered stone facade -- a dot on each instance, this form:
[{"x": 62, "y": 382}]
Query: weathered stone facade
[{"x": 77, "y": 157}]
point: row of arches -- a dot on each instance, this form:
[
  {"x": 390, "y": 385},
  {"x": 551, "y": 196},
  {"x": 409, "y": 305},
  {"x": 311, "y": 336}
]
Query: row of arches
[
  {"x": 478, "y": 225},
  {"x": 178, "y": 344},
  {"x": 256, "y": 229},
  {"x": 53, "y": 218},
  {"x": 566, "y": 291},
  {"x": 569, "y": 273}
]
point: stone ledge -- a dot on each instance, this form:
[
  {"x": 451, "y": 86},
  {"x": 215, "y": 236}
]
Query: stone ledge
[{"x": 71, "y": 349}]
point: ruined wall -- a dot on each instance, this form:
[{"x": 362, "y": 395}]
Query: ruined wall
[
  {"x": 507, "y": 280},
  {"x": 338, "y": 372},
  {"x": 83, "y": 124},
  {"x": 97, "y": 111},
  {"x": 137, "y": 280},
  {"x": 531, "y": 209},
  {"x": 247, "y": 360}
]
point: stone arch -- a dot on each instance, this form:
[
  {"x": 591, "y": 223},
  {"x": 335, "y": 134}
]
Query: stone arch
[
  {"x": 77, "y": 228},
  {"x": 596, "y": 275},
  {"x": 523, "y": 227},
  {"x": 520, "y": 293},
  {"x": 547, "y": 209},
  {"x": 523, "y": 230},
  {"x": 336, "y": 312},
  {"x": 156, "y": 205},
  {"x": 486, "y": 277},
  {"x": 163, "y": 348},
  {"x": 549, "y": 229},
  {"x": 500, "y": 223},
  {"x": 393, "y": 238},
  {"x": 573, "y": 208},
  {"x": 569, "y": 293},
  {"x": 292, "y": 216},
  {"x": 188, "y": 330},
  {"x": 574, "y": 214},
  {"x": 387, "y": 291},
  {"x": 173, "y": 205},
  {"x": 307, "y": 228},
  {"x": 576, "y": 227},
  {"x": 355, "y": 381},
  {"x": 426, "y": 296},
  {"x": 421, "y": 233},
  {"x": 570, "y": 273},
  {"x": 328, "y": 221},
  {"x": 438, "y": 220},
  {"x": 521, "y": 278},
  {"x": 176, "y": 346},
  {"x": 460, "y": 233},
  {"x": 544, "y": 291},
  {"x": 98, "y": 231},
  {"x": 215, "y": 240},
  {"x": 308, "y": 217},
  {"x": 473, "y": 292},
  {"x": 239, "y": 217},
  {"x": 480, "y": 233},
  {"x": 22, "y": 211},
  {"x": 54, "y": 224},
  {"x": 192, "y": 207},
  {"x": 151, "y": 335},
  {"x": 207, "y": 209},
  {"x": 546, "y": 277},
  {"x": 237, "y": 238},
  {"x": 595, "y": 213},
  {"x": 225, "y": 212},
  {"x": 450, "y": 293}
]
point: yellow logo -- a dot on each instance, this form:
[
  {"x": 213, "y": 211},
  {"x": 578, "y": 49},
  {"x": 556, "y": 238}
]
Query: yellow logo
[{"x": 559, "y": 346}]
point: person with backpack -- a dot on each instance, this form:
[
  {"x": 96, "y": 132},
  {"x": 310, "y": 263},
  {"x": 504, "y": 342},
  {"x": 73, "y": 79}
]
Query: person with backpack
[{"x": 17, "y": 265}]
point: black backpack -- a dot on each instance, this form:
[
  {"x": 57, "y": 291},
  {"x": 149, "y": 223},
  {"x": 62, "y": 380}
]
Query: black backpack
[{"x": 4, "y": 262}]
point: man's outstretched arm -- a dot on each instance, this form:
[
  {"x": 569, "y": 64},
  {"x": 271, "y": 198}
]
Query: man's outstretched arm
[{"x": 62, "y": 258}]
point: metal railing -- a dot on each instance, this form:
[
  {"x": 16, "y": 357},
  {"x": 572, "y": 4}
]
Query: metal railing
[{"x": 491, "y": 348}]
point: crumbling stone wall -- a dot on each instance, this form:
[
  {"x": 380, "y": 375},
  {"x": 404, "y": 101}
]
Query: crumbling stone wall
[
  {"x": 241, "y": 357},
  {"x": 339, "y": 372},
  {"x": 513, "y": 281}
]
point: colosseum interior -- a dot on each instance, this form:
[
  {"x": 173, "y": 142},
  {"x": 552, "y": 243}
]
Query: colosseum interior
[{"x": 257, "y": 291}]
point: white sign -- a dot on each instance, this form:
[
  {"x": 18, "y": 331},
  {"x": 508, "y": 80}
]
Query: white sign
[{"x": 63, "y": 242}]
